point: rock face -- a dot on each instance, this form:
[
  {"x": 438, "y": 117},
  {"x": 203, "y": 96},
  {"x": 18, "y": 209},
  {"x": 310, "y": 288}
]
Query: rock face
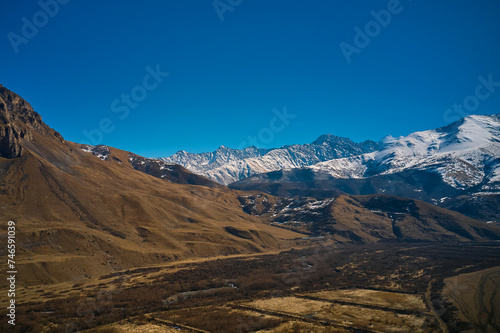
[
  {"x": 9, "y": 144},
  {"x": 226, "y": 165},
  {"x": 17, "y": 122}
]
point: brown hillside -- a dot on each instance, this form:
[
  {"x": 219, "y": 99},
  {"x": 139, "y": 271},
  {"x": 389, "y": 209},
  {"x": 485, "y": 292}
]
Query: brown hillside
[
  {"x": 78, "y": 216},
  {"x": 368, "y": 219},
  {"x": 375, "y": 217}
]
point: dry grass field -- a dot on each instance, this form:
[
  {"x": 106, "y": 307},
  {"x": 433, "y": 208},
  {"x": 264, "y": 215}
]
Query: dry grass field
[
  {"x": 477, "y": 297},
  {"x": 358, "y": 316},
  {"x": 349, "y": 288},
  {"x": 375, "y": 298}
]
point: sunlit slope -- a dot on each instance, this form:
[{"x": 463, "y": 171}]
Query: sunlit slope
[{"x": 78, "y": 216}]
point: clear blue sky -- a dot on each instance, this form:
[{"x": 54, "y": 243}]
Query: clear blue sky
[{"x": 226, "y": 77}]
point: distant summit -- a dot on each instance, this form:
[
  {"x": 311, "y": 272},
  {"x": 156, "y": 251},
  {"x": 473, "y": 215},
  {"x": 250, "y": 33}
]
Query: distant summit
[{"x": 325, "y": 138}]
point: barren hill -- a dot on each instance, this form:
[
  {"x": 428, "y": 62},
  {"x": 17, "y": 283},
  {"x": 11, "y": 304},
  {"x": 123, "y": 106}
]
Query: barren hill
[
  {"x": 369, "y": 218},
  {"x": 79, "y": 216}
]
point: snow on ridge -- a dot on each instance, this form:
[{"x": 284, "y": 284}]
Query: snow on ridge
[
  {"x": 87, "y": 148},
  {"x": 475, "y": 132},
  {"x": 227, "y": 165},
  {"x": 459, "y": 155},
  {"x": 99, "y": 151}
]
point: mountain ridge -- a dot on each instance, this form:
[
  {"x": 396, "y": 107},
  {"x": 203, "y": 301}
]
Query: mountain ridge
[
  {"x": 226, "y": 165},
  {"x": 436, "y": 166}
]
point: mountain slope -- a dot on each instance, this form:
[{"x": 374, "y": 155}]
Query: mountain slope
[
  {"x": 482, "y": 207},
  {"x": 160, "y": 169},
  {"x": 227, "y": 165},
  {"x": 78, "y": 216},
  {"x": 369, "y": 218}
]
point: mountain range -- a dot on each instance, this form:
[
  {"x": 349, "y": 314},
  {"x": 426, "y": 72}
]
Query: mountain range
[
  {"x": 85, "y": 211},
  {"x": 456, "y": 166},
  {"x": 226, "y": 165}
]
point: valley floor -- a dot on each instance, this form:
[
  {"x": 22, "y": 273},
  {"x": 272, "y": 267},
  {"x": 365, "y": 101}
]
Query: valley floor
[
  {"x": 477, "y": 297},
  {"x": 327, "y": 288}
]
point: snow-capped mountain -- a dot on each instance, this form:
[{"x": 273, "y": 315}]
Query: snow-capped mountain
[
  {"x": 465, "y": 154},
  {"x": 226, "y": 165},
  {"x": 204, "y": 162},
  {"x": 437, "y": 166}
]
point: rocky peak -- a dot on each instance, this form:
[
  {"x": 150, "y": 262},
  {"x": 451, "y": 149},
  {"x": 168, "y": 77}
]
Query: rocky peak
[
  {"x": 18, "y": 121},
  {"x": 325, "y": 138}
]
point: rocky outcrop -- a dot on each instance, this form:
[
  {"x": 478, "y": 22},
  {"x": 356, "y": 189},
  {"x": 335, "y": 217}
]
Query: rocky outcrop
[
  {"x": 18, "y": 121},
  {"x": 9, "y": 143}
]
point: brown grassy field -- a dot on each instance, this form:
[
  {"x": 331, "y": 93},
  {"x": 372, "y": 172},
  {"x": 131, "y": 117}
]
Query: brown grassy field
[
  {"x": 385, "y": 299},
  {"x": 477, "y": 298}
]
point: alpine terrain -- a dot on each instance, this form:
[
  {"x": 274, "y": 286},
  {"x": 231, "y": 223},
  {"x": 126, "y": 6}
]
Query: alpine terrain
[
  {"x": 456, "y": 166},
  {"x": 226, "y": 165},
  {"x": 108, "y": 240}
]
